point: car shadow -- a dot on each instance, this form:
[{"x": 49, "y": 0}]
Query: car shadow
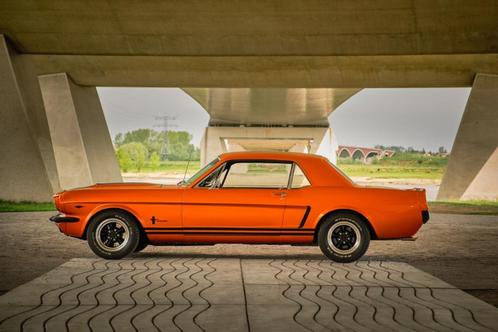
[{"x": 304, "y": 256}]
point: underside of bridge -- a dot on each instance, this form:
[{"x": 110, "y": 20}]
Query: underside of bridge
[
  {"x": 283, "y": 65},
  {"x": 267, "y": 119}
]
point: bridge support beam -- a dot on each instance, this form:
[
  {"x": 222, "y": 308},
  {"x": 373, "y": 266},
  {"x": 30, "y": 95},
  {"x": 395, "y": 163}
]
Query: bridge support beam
[
  {"x": 83, "y": 150},
  {"x": 473, "y": 163},
  {"x": 27, "y": 170},
  {"x": 217, "y": 140}
]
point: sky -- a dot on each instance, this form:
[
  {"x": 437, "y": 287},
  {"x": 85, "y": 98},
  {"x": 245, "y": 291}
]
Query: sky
[{"x": 423, "y": 118}]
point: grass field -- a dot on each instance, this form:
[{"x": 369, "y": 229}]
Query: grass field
[
  {"x": 465, "y": 207},
  {"x": 171, "y": 167},
  {"x": 7, "y": 206},
  {"x": 401, "y": 166},
  {"x": 392, "y": 172}
]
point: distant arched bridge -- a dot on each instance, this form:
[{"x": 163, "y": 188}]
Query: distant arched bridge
[{"x": 362, "y": 153}]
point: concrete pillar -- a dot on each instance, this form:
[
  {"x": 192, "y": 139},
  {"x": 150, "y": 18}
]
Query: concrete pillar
[
  {"x": 218, "y": 140},
  {"x": 472, "y": 171},
  {"x": 83, "y": 149},
  {"x": 23, "y": 173}
]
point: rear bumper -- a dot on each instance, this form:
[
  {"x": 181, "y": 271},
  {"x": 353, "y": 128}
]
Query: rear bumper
[
  {"x": 60, "y": 217},
  {"x": 425, "y": 216}
]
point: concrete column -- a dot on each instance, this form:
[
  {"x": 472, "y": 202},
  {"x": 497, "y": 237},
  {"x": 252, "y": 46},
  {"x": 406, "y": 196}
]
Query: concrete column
[
  {"x": 218, "y": 140},
  {"x": 83, "y": 150},
  {"x": 472, "y": 171},
  {"x": 23, "y": 173}
]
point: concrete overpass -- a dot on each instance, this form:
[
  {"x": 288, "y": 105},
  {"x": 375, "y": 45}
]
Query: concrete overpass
[
  {"x": 53, "y": 54},
  {"x": 275, "y": 119}
]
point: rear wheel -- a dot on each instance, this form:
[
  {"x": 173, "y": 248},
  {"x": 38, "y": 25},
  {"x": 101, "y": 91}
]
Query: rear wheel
[
  {"x": 113, "y": 235},
  {"x": 343, "y": 237}
]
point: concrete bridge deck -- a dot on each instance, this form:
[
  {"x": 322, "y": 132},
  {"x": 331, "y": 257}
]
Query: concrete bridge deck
[{"x": 232, "y": 294}]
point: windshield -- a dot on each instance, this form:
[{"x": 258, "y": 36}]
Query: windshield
[{"x": 200, "y": 172}]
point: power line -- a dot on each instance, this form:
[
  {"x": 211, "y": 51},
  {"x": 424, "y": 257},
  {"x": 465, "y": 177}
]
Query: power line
[{"x": 165, "y": 125}]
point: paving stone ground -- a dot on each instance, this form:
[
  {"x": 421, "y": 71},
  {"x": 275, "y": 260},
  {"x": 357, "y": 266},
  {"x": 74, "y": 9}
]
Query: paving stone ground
[{"x": 233, "y": 294}]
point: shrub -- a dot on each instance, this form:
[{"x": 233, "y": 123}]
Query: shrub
[{"x": 132, "y": 156}]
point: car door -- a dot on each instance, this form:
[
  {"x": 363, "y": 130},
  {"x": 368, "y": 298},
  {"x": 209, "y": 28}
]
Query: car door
[{"x": 238, "y": 198}]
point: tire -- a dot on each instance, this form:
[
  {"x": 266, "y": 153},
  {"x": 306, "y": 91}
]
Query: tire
[
  {"x": 142, "y": 244},
  {"x": 343, "y": 237},
  {"x": 113, "y": 235}
]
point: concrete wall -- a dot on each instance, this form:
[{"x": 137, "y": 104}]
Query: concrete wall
[
  {"x": 80, "y": 139},
  {"x": 269, "y": 106},
  {"x": 70, "y": 116},
  {"x": 274, "y": 43},
  {"x": 379, "y": 71},
  {"x": 485, "y": 184},
  {"x": 247, "y": 28},
  {"x": 472, "y": 171},
  {"x": 23, "y": 175},
  {"x": 218, "y": 140}
]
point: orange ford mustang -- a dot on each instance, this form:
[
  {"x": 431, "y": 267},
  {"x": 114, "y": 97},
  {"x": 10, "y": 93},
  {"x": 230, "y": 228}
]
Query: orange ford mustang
[{"x": 243, "y": 197}]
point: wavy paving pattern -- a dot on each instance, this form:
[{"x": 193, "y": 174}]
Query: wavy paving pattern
[{"x": 209, "y": 294}]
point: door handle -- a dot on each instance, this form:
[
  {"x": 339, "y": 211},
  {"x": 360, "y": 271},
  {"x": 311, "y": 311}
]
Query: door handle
[{"x": 280, "y": 193}]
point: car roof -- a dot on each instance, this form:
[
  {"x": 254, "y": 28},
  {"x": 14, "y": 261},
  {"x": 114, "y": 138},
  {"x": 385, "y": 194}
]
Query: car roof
[
  {"x": 317, "y": 168},
  {"x": 269, "y": 155}
]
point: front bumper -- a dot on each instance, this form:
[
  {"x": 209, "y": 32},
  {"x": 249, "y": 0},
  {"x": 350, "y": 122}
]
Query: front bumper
[{"x": 61, "y": 217}]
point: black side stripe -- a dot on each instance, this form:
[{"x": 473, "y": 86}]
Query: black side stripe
[
  {"x": 306, "y": 213},
  {"x": 233, "y": 233},
  {"x": 228, "y": 229}
]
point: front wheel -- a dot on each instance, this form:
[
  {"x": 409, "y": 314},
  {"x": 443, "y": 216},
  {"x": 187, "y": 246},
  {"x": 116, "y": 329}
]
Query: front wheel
[
  {"x": 142, "y": 244},
  {"x": 343, "y": 237},
  {"x": 113, "y": 235}
]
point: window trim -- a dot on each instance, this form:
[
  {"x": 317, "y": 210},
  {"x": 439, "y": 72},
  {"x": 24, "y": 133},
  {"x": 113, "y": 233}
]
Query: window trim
[
  {"x": 229, "y": 163},
  {"x": 223, "y": 166},
  {"x": 292, "y": 178}
]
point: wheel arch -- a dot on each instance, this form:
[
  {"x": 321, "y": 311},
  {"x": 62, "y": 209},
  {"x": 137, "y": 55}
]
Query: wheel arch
[
  {"x": 373, "y": 235},
  {"x": 115, "y": 209}
]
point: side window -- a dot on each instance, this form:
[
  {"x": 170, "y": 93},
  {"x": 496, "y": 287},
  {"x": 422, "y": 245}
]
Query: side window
[
  {"x": 299, "y": 180},
  {"x": 257, "y": 175}
]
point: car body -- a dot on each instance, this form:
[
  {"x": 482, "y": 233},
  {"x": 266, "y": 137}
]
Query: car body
[{"x": 264, "y": 198}]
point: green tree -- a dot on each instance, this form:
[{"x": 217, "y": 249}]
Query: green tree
[
  {"x": 168, "y": 145},
  {"x": 136, "y": 152},
  {"x": 118, "y": 139},
  {"x": 125, "y": 162},
  {"x": 139, "y": 136},
  {"x": 177, "y": 146},
  {"x": 155, "y": 161}
]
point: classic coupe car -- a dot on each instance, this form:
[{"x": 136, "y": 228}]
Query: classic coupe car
[{"x": 243, "y": 197}]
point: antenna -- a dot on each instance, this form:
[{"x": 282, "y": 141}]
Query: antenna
[{"x": 188, "y": 163}]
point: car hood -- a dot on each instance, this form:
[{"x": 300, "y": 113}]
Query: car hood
[
  {"x": 119, "y": 192},
  {"x": 118, "y": 186},
  {"x": 128, "y": 185}
]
